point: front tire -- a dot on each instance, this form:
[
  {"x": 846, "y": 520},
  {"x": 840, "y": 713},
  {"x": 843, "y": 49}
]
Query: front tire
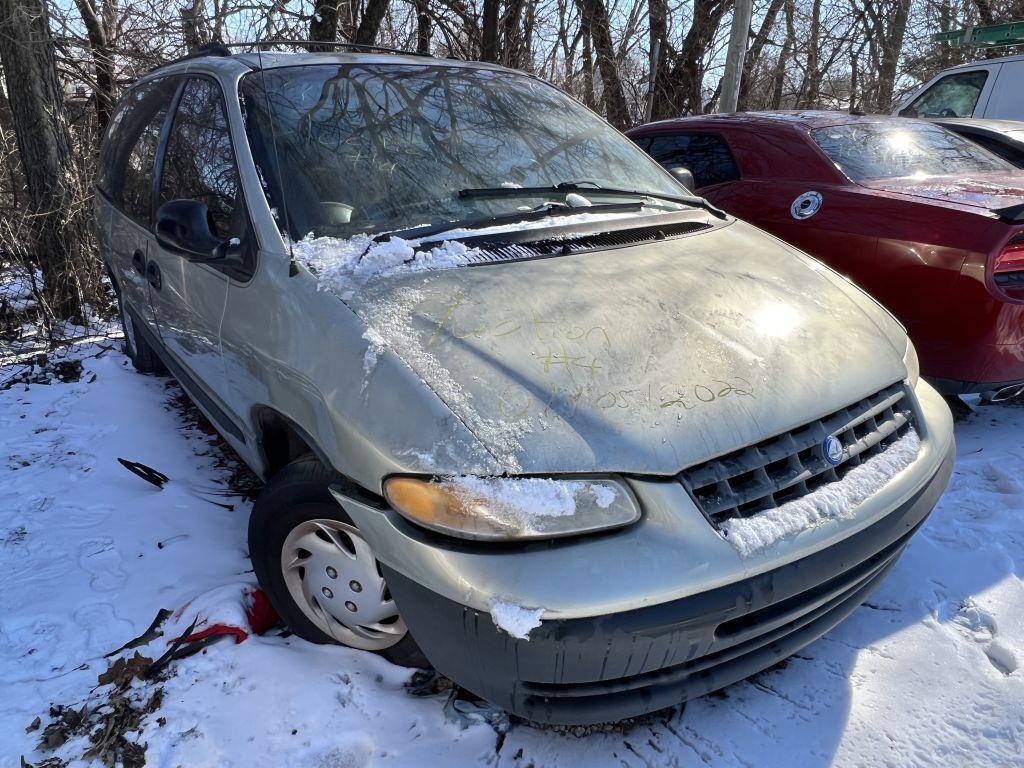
[{"x": 319, "y": 572}]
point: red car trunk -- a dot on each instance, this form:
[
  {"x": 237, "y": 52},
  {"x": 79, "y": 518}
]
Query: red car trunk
[{"x": 931, "y": 248}]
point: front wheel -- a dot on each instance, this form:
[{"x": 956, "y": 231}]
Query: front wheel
[{"x": 319, "y": 572}]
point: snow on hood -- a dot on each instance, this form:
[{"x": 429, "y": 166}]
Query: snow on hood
[
  {"x": 342, "y": 261},
  {"x": 642, "y": 359},
  {"x": 984, "y": 190}
]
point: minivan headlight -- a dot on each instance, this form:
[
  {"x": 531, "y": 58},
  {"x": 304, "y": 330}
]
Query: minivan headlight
[
  {"x": 913, "y": 364},
  {"x": 512, "y": 508}
]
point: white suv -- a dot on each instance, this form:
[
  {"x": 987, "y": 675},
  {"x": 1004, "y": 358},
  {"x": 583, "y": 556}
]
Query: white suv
[{"x": 993, "y": 88}]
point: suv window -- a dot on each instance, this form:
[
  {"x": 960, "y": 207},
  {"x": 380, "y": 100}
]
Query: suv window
[
  {"x": 126, "y": 158},
  {"x": 954, "y": 95},
  {"x": 199, "y": 162},
  {"x": 705, "y": 154}
]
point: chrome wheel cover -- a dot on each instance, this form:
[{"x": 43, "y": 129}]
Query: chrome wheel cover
[{"x": 334, "y": 578}]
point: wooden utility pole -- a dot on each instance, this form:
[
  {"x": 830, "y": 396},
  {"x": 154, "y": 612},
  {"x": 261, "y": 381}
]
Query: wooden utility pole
[{"x": 735, "y": 54}]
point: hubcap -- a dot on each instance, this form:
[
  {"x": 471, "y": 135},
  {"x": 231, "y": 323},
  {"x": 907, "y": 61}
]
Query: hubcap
[{"x": 334, "y": 578}]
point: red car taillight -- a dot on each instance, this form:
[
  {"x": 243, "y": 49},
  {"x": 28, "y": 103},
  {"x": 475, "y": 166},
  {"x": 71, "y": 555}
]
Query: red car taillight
[
  {"x": 1011, "y": 259},
  {"x": 1008, "y": 268}
]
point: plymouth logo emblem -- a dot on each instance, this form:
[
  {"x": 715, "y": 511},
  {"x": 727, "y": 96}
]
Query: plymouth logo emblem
[{"x": 832, "y": 450}]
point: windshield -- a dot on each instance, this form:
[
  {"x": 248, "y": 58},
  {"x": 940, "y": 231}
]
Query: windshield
[
  {"x": 898, "y": 148},
  {"x": 364, "y": 148}
]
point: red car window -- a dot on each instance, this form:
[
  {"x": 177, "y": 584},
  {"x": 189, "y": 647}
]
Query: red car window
[{"x": 706, "y": 155}]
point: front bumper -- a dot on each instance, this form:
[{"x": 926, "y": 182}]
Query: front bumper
[
  {"x": 651, "y": 615},
  {"x": 591, "y": 670}
]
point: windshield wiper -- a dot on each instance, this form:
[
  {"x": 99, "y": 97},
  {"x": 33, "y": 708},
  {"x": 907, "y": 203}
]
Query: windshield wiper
[
  {"x": 588, "y": 186},
  {"x": 515, "y": 217}
]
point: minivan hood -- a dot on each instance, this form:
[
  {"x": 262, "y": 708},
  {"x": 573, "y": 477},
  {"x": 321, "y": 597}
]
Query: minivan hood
[
  {"x": 644, "y": 359},
  {"x": 984, "y": 190}
]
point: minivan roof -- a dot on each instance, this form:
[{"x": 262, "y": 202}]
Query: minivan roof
[
  {"x": 275, "y": 59},
  {"x": 255, "y": 60}
]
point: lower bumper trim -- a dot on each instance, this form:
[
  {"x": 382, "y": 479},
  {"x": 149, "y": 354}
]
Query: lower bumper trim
[{"x": 605, "y": 668}]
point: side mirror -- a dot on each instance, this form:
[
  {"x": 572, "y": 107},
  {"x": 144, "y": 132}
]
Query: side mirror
[
  {"x": 684, "y": 176},
  {"x": 183, "y": 226}
]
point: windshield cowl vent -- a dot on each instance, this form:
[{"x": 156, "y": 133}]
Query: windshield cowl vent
[{"x": 487, "y": 249}]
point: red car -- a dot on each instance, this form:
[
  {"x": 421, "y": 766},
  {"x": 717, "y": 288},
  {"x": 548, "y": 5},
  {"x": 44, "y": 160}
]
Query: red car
[{"x": 929, "y": 223}]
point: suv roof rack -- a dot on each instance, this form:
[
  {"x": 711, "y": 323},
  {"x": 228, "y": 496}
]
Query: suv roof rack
[{"x": 225, "y": 49}]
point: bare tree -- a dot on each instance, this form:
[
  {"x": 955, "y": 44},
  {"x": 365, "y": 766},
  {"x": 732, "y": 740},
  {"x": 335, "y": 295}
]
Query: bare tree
[
  {"x": 27, "y": 54},
  {"x": 598, "y": 23},
  {"x": 369, "y": 25},
  {"x": 753, "y": 57},
  {"x": 99, "y": 25}
]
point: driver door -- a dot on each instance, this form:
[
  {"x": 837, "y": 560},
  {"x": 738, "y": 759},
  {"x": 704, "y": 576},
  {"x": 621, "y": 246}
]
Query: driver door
[{"x": 188, "y": 298}]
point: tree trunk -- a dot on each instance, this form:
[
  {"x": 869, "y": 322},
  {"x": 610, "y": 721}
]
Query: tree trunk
[
  {"x": 784, "y": 57},
  {"x": 754, "y": 54},
  {"x": 680, "y": 93},
  {"x": 489, "y": 36},
  {"x": 369, "y": 25},
  {"x": 323, "y": 27},
  {"x": 511, "y": 37},
  {"x": 810, "y": 90},
  {"x": 611, "y": 84},
  {"x": 103, "y": 60},
  {"x": 191, "y": 30},
  {"x": 44, "y": 147},
  {"x": 588, "y": 66},
  {"x": 657, "y": 13},
  {"x": 892, "y": 45},
  {"x": 424, "y": 26}
]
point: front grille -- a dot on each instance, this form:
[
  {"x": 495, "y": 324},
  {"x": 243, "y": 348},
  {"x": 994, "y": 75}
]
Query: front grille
[{"x": 788, "y": 466}]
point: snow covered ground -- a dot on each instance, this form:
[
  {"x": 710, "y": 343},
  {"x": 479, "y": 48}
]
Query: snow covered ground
[{"x": 929, "y": 672}]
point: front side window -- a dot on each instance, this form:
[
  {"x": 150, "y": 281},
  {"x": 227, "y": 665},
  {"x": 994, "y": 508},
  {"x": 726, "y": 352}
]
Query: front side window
[
  {"x": 953, "y": 96},
  {"x": 126, "y": 159},
  {"x": 899, "y": 148},
  {"x": 199, "y": 162},
  {"x": 706, "y": 155},
  {"x": 364, "y": 148}
]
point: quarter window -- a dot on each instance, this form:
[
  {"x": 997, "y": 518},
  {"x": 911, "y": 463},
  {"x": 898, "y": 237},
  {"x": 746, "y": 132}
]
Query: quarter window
[
  {"x": 706, "y": 155},
  {"x": 953, "y": 96},
  {"x": 199, "y": 162}
]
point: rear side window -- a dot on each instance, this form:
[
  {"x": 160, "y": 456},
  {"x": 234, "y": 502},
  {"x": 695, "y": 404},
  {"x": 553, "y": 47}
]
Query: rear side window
[
  {"x": 891, "y": 148},
  {"x": 126, "y": 158},
  {"x": 953, "y": 96},
  {"x": 199, "y": 163},
  {"x": 706, "y": 155}
]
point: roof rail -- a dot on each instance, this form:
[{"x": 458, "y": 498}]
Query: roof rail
[
  {"x": 225, "y": 49},
  {"x": 336, "y": 44}
]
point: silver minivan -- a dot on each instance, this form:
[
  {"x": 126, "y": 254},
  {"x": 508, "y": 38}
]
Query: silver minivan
[{"x": 526, "y": 409}]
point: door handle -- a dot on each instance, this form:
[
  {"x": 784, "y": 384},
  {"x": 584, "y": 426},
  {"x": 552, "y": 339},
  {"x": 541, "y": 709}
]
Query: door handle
[
  {"x": 153, "y": 275},
  {"x": 139, "y": 262}
]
